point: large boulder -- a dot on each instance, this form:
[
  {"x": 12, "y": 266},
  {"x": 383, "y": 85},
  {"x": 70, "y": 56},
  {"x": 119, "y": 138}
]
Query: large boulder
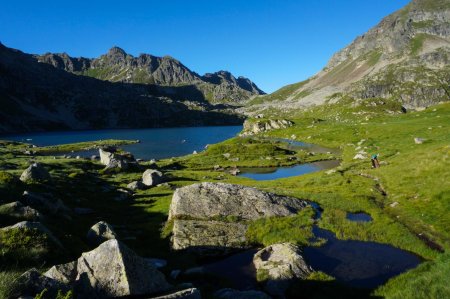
[
  {"x": 114, "y": 160},
  {"x": 114, "y": 270},
  {"x": 235, "y": 294},
  {"x": 278, "y": 264},
  {"x": 208, "y": 237},
  {"x": 100, "y": 232},
  {"x": 35, "y": 172},
  {"x": 152, "y": 177},
  {"x": 18, "y": 210},
  {"x": 44, "y": 203},
  {"x": 213, "y": 200},
  {"x": 35, "y": 226},
  {"x": 210, "y": 218}
]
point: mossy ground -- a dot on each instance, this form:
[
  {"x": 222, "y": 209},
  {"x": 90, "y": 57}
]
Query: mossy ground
[{"x": 414, "y": 176}]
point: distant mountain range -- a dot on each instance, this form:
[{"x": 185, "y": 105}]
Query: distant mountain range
[
  {"x": 36, "y": 96},
  {"x": 118, "y": 66},
  {"x": 405, "y": 58}
]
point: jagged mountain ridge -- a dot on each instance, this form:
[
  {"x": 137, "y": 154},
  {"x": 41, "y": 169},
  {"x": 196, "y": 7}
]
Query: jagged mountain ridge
[
  {"x": 118, "y": 66},
  {"x": 404, "y": 58},
  {"x": 36, "y": 96}
]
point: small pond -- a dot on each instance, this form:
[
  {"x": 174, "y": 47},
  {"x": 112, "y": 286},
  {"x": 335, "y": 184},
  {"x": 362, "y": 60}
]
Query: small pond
[
  {"x": 359, "y": 217},
  {"x": 273, "y": 173}
]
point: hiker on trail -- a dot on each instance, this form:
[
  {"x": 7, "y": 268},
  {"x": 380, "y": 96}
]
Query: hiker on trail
[{"x": 375, "y": 162}]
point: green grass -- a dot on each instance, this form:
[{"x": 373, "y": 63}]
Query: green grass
[
  {"x": 295, "y": 229},
  {"x": 416, "y": 43},
  {"x": 429, "y": 280},
  {"x": 80, "y": 146}
]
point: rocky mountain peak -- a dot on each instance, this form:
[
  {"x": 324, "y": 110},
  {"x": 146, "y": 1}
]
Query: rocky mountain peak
[{"x": 116, "y": 51}]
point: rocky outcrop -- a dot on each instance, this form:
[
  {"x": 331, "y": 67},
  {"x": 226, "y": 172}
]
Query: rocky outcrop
[
  {"x": 18, "y": 210},
  {"x": 208, "y": 217},
  {"x": 235, "y": 294},
  {"x": 403, "y": 59},
  {"x": 35, "y": 172},
  {"x": 215, "y": 200},
  {"x": 253, "y": 127},
  {"x": 100, "y": 232},
  {"x": 278, "y": 264},
  {"x": 152, "y": 177},
  {"x": 114, "y": 160}
]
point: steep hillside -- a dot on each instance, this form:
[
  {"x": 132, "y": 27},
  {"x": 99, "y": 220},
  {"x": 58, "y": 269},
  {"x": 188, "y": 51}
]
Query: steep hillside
[
  {"x": 35, "y": 96},
  {"x": 118, "y": 66},
  {"x": 404, "y": 58}
]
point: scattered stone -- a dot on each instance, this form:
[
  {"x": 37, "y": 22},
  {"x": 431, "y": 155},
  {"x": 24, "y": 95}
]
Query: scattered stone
[
  {"x": 216, "y": 167},
  {"x": 65, "y": 273},
  {"x": 418, "y": 140},
  {"x": 152, "y": 177},
  {"x": 278, "y": 265},
  {"x": 235, "y": 294},
  {"x": 227, "y": 155},
  {"x": 18, "y": 210},
  {"x": 191, "y": 293},
  {"x": 394, "y": 204},
  {"x": 359, "y": 157},
  {"x": 100, "y": 232},
  {"x": 123, "y": 195},
  {"x": 235, "y": 171},
  {"x": 114, "y": 270},
  {"x": 136, "y": 185},
  {"x": 94, "y": 157},
  {"x": 194, "y": 153},
  {"x": 331, "y": 171},
  {"x": 35, "y": 172},
  {"x": 78, "y": 157}
]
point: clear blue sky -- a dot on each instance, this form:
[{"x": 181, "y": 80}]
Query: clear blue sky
[{"x": 274, "y": 43}]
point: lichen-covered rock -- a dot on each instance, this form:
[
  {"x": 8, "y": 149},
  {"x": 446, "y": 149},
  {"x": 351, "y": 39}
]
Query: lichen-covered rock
[
  {"x": 136, "y": 185},
  {"x": 278, "y": 264},
  {"x": 235, "y": 294},
  {"x": 18, "y": 210},
  {"x": 35, "y": 172},
  {"x": 32, "y": 283},
  {"x": 252, "y": 127},
  {"x": 114, "y": 270},
  {"x": 100, "y": 232},
  {"x": 65, "y": 273},
  {"x": 209, "y": 217},
  {"x": 208, "y": 200},
  {"x": 152, "y": 177},
  {"x": 208, "y": 237},
  {"x": 35, "y": 226},
  {"x": 191, "y": 293}
]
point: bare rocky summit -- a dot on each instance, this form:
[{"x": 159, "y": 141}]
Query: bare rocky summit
[{"x": 405, "y": 58}]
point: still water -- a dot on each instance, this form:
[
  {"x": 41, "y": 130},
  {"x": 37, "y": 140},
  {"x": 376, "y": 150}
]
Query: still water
[{"x": 154, "y": 143}]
